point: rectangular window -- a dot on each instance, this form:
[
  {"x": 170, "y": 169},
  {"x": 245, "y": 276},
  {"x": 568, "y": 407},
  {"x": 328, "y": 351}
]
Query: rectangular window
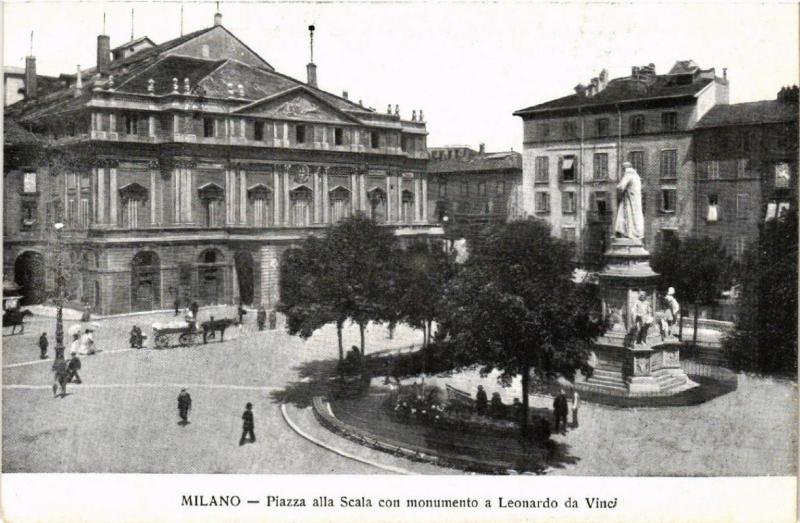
[
  {"x": 637, "y": 124},
  {"x": 742, "y": 167},
  {"x": 636, "y": 158},
  {"x": 745, "y": 141},
  {"x": 84, "y": 217},
  {"x": 338, "y": 136},
  {"x": 258, "y": 131},
  {"x": 72, "y": 181},
  {"x": 600, "y": 166},
  {"x": 713, "y": 208},
  {"x": 570, "y": 130},
  {"x": 481, "y": 188},
  {"x": 542, "y": 170},
  {"x": 600, "y": 203},
  {"x": 542, "y": 202},
  {"x": 742, "y": 205},
  {"x": 568, "y": 169},
  {"x": 669, "y": 164},
  {"x": 500, "y": 187},
  {"x": 713, "y": 170},
  {"x": 131, "y": 123},
  {"x": 739, "y": 247},
  {"x": 208, "y": 127},
  {"x": 669, "y": 121},
  {"x": 300, "y": 134},
  {"x": 782, "y": 175},
  {"x": 544, "y": 130},
  {"x": 29, "y": 182},
  {"x": 668, "y": 200},
  {"x": 602, "y": 127},
  {"x": 464, "y": 188},
  {"x": 374, "y": 140},
  {"x": 85, "y": 180},
  {"x": 568, "y": 202},
  {"x": 568, "y": 234},
  {"x": 72, "y": 211},
  {"x": 443, "y": 189}
]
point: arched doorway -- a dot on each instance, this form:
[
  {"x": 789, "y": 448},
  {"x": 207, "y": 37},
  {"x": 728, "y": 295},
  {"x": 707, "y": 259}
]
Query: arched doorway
[
  {"x": 245, "y": 273},
  {"x": 29, "y": 273},
  {"x": 211, "y": 277},
  {"x": 145, "y": 281}
]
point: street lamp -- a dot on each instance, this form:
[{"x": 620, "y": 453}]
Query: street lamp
[{"x": 59, "y": 277}]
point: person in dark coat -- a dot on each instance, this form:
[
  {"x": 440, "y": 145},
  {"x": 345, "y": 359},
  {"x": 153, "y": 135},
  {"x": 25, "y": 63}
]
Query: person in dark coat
[
  {"x": 59, "y": 377},
  {"x": 136, "y": 337},
  {"x": 195, "y": 308},
  {"x": 184, "y": 406},
  {"x": 248, "y": 425},
  {"x": 560, "y": 411},
  {"x": 73, "y": 366},
  {"x": 481, "y": 400},
  {"x": 261, "y": 317},
  {"x": 241, "y": 312},
  {"x": 177, "y": 306},
  {"x": 273, "y": 320},
  {"x": 43, "y": 344}
]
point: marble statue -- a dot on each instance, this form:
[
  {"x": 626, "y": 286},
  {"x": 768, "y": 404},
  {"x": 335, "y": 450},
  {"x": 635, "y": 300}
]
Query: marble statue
[{"x": 629, "y": 222}]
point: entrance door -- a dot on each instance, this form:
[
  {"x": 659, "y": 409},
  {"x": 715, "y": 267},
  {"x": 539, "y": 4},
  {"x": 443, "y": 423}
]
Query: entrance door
[
  {"x": 29, "y": 275},
  {"x": 210, "y": 285}
]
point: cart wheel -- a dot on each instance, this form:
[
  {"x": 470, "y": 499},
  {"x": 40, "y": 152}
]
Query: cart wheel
[
  {"x": 186, "y": 339},
  {"x": 161, "y": 341}
]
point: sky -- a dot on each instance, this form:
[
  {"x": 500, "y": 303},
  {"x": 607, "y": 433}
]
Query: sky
[{"x": 469, "y": 66}]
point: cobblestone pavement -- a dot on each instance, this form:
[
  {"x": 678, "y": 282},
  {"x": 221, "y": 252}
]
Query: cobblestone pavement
[{"x": 124, "y": 417}]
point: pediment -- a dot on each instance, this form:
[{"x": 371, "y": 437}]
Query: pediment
[
  {"x": 297, "y": 104},
  {"x": 133, "y": 191},
  {"x": 211, "y": 191}
]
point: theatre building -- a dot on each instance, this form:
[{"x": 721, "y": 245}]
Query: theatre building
[{"x": 185, "y": 169}]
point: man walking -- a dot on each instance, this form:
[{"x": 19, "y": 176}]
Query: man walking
[
  {"x": 184, "y": 406},
  {"x": 43, "y": 344},
  {"x": 73, "y": 366},
  {"x": 261, "y": 317},
  {"x": 241, "y": 312},
  {"x": 247, "y": 425},
  {"x": 560, "y": 412},
  {"x": 480, "y": 401},
  {"x": 60, "y": 377}
]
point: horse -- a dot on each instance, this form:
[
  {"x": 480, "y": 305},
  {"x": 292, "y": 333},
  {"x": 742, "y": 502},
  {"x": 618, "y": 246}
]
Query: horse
[{"x": 16, "y": 318}]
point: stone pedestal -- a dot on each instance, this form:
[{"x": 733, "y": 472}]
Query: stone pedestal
[{"x": 627, "y": 361}]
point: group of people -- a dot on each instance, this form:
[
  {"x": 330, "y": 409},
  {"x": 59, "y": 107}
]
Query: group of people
[
  {"x": 644, "y": 318},
  {"x": 248, "y": 421},
  {"x": 496, "y": 408}
]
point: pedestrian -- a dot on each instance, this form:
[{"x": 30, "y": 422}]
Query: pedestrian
[
  {"x": 560, "y": 412},
  {"x": 261, "y": 317},
  {"x": 59, "y": 376},
  {"x": 241, "y": 312},
  {"x": 43, "y": 344},
  {"x": 177, "y": 305},
  {"x": 136, "y": 337},
  {"x": 273, "y": 320},
  {"x": 496, "y": 407},
  {"x": 195, "y": 308},
  {"x": 519, "y": 411},
  {"x": 576, "y": 402},
  {"x": 248, "y": 425},
  {"x": 73, "y": 366},
  {"x": 184, "y": 406},
  {"x": 480, "y": 401}
]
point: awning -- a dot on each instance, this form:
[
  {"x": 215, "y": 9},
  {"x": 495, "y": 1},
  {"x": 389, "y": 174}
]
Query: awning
[{"x": 567, "y": 163}]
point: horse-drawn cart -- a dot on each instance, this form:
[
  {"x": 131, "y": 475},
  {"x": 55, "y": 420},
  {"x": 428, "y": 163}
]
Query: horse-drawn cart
[{"x": 176, "y": 333}]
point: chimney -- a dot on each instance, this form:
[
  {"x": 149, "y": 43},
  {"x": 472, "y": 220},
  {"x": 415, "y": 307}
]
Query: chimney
[
  {"x": 30, "y": 77},
  {"x": 103, "y": 54},
  {"x": 724, "y": 73},
  {"x": 580, "y": 90},
  {"x": 345, "y": 95},
  {"x": 311, "y": 70},
  {"x": 218, "y": 19},
  {"x": 482, "y": 148}
]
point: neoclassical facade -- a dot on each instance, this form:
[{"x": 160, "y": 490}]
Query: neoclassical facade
[{"x": 184, "y": 170}]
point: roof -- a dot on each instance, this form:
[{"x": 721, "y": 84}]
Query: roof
[
  {"x": 10, "y": 69},
  {"x": 627, "y": 89},
  {"x": 133, "y": 42},
  {"x": 15, "y": 134},
  {"x": 749, "y": 113},
  {"x": 497, "y": 161}
]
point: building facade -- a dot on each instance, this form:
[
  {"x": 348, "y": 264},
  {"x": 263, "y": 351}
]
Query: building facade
[
  {"x": 574, "y": 148},
  {"x": 469, "y": 186},
  {"x": 746, "y": 160},
  {"x": 183, "y": 171}
]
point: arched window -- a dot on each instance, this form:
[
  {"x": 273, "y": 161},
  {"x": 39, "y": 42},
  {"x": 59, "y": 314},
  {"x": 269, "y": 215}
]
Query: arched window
[
  {"x": 408, "y": 207},
  {"x": 340, "y": 203},
  {"x": 377, "y": 205},
  {"x": 210, "y": 277},
  {"x": 301, "y": 198}
]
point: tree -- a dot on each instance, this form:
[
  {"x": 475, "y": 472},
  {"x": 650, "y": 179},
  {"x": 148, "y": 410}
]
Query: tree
[
  {"x": 423, "y": 270},
  {"x": 698, "y": 268},
  {"x": 514, "y": 307},
  {"x": 765, "y": 337}
]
